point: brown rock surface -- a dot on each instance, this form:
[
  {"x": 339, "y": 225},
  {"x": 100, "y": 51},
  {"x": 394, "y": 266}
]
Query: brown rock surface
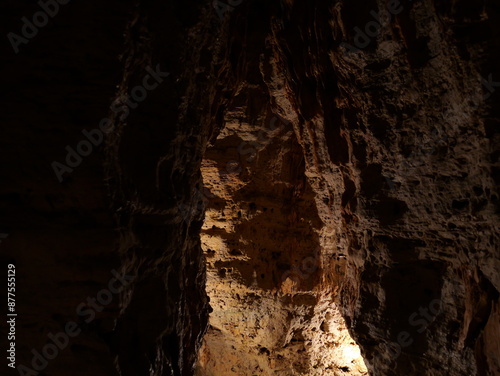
[
  {"x": 398, "y": 173},
  {"x": 351, "y": 198}
]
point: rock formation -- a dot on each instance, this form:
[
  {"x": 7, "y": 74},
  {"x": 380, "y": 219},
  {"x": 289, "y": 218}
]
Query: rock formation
[{"x": 297, "y": 187}]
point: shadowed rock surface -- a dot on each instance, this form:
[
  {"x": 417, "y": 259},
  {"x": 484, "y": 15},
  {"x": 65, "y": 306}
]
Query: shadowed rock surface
[{"x": 350, "y": 186}]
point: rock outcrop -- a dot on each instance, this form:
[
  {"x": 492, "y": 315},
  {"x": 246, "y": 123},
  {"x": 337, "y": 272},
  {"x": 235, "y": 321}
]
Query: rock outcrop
[
  {"x": 387, "y": 211},
  {"x": 297, "y": 187}
]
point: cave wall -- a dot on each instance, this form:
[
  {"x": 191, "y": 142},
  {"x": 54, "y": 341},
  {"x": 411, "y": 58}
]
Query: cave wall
[
  {"x": 400, "y": 145},
  {"x": 70, "y": 228},
  {"x": 350, "y": 182},
  {"x": 153, "y": 171}
]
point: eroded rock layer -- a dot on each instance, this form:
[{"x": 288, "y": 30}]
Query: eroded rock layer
[
  {"x": 397, "y": 171},
  {"x": 263, "y": 242},
  {"x": 347, "y": 154},
  {"x": 153, "y": 168}
]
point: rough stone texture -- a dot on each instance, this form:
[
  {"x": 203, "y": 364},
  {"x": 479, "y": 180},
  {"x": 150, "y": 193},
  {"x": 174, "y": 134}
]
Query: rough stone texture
[
  {"x": 365, "y": 212},
  {"x": 274, "y": 308},
  {"x": 63, "y": 236},
  {"x": 153, "y": 169},
  {"x": 400, "y": 153}
]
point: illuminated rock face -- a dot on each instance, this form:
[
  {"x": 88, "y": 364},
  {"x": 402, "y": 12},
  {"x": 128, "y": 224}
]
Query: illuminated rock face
[
  {"x": 274, "y": 304},
  {"x": 349, "y": 173},
  {"x": 375, "y": 203}
]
